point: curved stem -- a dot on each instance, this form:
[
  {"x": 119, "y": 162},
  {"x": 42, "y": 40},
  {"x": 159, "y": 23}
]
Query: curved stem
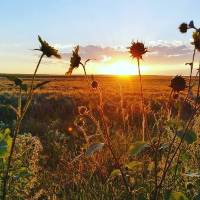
[
  {"x": 111, "y": 149},
  {"x": 197, "y": 98},
  {"x": 16, "y": 131}
]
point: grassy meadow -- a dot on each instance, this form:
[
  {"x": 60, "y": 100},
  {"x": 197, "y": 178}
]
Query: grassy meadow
[
  {"x": 100, "y": 137},
  {"x": 49, "y": 160}
]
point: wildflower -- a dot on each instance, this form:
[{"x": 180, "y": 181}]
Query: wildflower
[
  {"x": 178, "y": 84},
  {"x": 137, "y": 50},
  {"x": 47, "y": 50},
  {"x": 94, "y": 84},
  {"x": 82, "y": 110},
  {"x": 183, "y": 27},
  {"x": 196, "y": 40},
  {"x": 75, "y": 60}
]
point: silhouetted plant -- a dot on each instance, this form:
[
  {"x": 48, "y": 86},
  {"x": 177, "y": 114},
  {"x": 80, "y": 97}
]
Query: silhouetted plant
[
  {"x": 48, "y": 51},
  {"x": 196, "y": 42},
  {"x": 75, "y": 62},
  {"x": 178, "y": 84},
  {"x": 137, "y": 50}
]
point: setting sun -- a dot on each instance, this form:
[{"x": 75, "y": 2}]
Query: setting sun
[{"x": 122, "y": 67}]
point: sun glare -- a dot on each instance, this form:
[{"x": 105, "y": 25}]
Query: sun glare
[{"x": 122, "y": 68}]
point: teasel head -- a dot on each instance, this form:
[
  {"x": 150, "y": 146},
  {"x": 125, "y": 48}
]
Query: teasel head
[
  {"x": 178, "y": 84},
  {"x": 137, "y": 50},
  {"x": 47, "y": 50}
]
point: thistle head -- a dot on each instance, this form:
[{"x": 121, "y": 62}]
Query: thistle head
[
  {"x": 47, "y": 50},
  {"x": 94, "y": 84},
  {"x": 82, "y": 110},
  {"x": 75, "y": 60},
  {"x": 183, "y": 27},
  {"x": 137, "y": 50},
  {"x": 178, "y": 84}
]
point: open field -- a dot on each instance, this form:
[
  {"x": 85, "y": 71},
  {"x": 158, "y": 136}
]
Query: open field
[{"x": 54, "y": 155}]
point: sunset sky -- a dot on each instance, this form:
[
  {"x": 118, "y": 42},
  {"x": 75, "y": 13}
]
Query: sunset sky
[{"x": 103, "y": 29}]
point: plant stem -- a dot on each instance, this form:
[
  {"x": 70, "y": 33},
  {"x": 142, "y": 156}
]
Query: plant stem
[
  {"x": 191, "y": 69},
  {"x": 197, "y": 98},
  {"x": 142, "y": 101},
  {"x": 111, "y": 149},
  {"x": 16, "y": 131},
  {"x": 166, "y": 168}
]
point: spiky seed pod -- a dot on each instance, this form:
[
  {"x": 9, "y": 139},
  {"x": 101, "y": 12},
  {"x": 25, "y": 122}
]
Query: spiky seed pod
[
  {"x": 183, "y": 28},
  {"x": 137, "y": 50},
  {"x": 82, "y": 110},
  {"x": 178, "y": 84},
  {"x": 75, "y": 60},
  {"x": 94, "y": 84},
  {"x": 196, "y": 40},
  {"x": 47, "y": 50}
]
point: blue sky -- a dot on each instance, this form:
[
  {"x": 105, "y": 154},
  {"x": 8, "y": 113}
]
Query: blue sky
[{"x": 86, "y": 22}]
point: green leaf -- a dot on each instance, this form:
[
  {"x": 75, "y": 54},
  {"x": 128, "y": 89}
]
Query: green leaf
[
  {"x": 137, "y": 148},
  {"x": 94, "y": 148},
  {"x": 196, "y": 197},
  {"x": 115, "y": 172},
  {"x": 189, "y": 136},
  {"x": 5, "y": 143},
  {"x": 16, "y": 80},
  {"x": 133, "y": 165},
  {"x": 3, "y": 148},
  {"x": 177, "y": 196},
  {"x": 41, "y": 84}
]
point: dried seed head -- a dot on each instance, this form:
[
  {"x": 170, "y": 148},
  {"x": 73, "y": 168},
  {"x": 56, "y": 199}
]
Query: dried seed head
[
  {"x": 137, "y": 50},
  {"x": 47, "y": 50},
  {"x": 178, "y": 84},
  {"x": 82, "y": 110},
  {"x": 75, "y": 60},
  {"x": 80, "y": 122},
  {"x": 183, "y": 28},
  {"x": 94, "y": 84}
]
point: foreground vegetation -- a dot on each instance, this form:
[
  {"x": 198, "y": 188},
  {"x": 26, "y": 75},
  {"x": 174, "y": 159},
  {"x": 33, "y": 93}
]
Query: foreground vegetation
[{"x": 101, "y": 138}]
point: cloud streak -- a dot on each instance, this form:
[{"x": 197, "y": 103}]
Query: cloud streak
[{"x": 160, "y": 52}]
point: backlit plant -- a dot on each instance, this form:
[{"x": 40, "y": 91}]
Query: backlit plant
[{"x": 20, "y": 111}]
